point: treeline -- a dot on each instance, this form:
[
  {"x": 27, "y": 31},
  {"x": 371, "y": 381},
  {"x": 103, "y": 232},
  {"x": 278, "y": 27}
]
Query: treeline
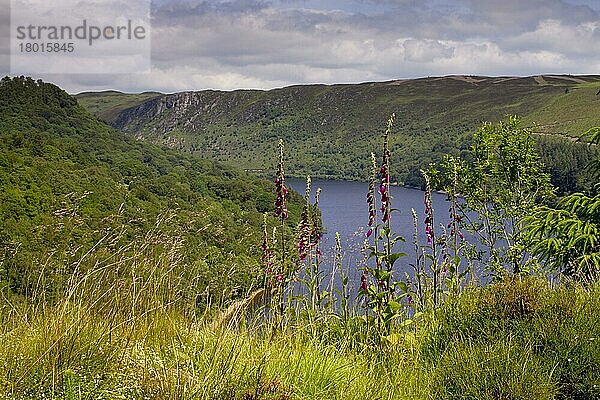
[{"x": 567, "y": 162}]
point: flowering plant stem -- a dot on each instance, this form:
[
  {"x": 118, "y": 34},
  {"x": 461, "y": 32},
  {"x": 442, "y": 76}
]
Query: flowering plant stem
[{"x": 281, "y": 212}]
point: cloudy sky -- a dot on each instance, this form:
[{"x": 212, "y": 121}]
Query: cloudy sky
[{"x": 229, "y": 44}]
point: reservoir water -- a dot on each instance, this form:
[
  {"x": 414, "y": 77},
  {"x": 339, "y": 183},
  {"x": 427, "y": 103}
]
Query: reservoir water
[{"x": 344, "y": 209}]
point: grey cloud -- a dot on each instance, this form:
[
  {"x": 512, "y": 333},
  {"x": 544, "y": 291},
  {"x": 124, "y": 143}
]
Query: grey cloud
[
  {"x": 179, "y": 11},
  {"x": 260, "y": 44},
  {"x": 299, "y": 20},
  {"x": 474, "y": 18},
  {"x": 409, "y": 38},
  {"x": 528, "y": 13}
]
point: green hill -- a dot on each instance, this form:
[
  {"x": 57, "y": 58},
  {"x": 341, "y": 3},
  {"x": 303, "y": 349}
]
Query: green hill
[
  {"x": 330, "y": 130},
  {"x": 75, "y": 194},
  {"x": 108, "y": 104}
]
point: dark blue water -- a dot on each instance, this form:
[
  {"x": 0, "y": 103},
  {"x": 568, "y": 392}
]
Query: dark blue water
[{"x": 344, "y": 209}]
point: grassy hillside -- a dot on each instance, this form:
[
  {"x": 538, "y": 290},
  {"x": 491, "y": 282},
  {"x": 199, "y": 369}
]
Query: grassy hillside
[
  {"x": 330, "y": 130},
  {"x": 76, "y": 194},
  {"x": 508, "y": 341},
  {"x": 108, "y": 104},
  {"x": 570, "y": 113}
]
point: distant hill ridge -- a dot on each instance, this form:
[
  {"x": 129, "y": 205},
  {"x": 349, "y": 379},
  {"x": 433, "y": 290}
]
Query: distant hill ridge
[{"x": 331, "y": 129}]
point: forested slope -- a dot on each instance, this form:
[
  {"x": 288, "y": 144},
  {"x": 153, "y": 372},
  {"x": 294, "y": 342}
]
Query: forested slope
[{"x": 74, "y": 192}]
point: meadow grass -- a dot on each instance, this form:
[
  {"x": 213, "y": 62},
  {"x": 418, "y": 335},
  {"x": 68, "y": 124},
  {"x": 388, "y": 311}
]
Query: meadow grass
[{"x": 131, "y": 336}]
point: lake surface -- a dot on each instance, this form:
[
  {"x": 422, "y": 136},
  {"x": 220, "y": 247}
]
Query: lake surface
[{"x": 344, "y": 209}]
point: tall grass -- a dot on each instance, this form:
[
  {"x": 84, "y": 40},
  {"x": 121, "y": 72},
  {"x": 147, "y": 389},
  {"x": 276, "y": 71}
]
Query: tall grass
[
  {"x": 124, "y": 329},
  {"x": 127, "y": 328}
]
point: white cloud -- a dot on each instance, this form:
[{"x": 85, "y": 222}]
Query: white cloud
[
  {"x": 553, "y": 35},
  {"x": 255, "y": 44},
  {"x": 426, "y": 50}
]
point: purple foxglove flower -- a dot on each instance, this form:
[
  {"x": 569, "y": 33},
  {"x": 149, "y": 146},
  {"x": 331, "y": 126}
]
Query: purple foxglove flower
[
  {"x": 304, "y": 238},
  {"x": 363, "y": 283},
  {"x": 280, "y": 190},
  {"x": 315, "y": 234},
  {"x": 371, "y": 192},
  {"x": 384, "y": 185}
]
